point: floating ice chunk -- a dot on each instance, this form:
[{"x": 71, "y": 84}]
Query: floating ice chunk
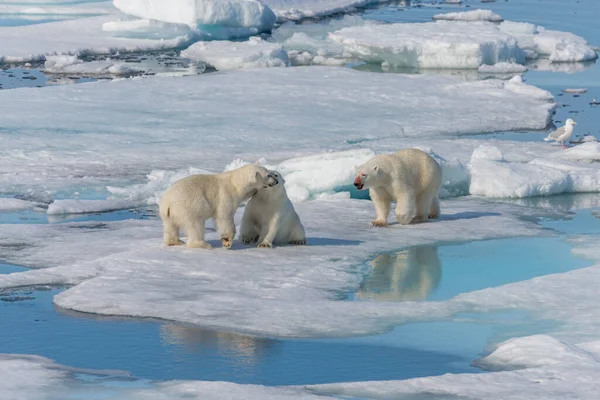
[
  {"x": 572, "y": 52},
  {"x": 73, "y": 37},
  {"x": 441, "y": 44},
  {"x": 474, "y": 15},
  {"x": 502, "y": 68},
  {"x": 64, "y": 9},
  {"x": 70, "y": 206},
  {"x": 575, "y": 91},
  {"x": 516, "y": 85},
  {"x": 203, "y": 14},
  {"x": 254, "y": 53},
  {"x": 9, "y": 204}
]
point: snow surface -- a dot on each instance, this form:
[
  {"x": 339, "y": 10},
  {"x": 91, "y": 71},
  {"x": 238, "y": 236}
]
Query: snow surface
[
  {"x": 474, "y": 15},
  {"x": 441, "y": 44},
  {"x": 88, "y": 206},
  {"x": 128, "y": 272},
  {"x": 204, "y": 14},
  {"x": 83, "y": 35},
  {"x": 223, "y": 55},
  {"x": 301, "y": 9},
  {"x": 66, "y": 139}
]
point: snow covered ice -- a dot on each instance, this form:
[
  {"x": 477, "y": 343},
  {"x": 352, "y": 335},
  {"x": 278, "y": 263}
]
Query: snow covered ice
[{"x": 474, "y": 15}]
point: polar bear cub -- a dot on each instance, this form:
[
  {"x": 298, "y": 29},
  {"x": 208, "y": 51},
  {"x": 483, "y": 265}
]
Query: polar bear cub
[
  {"x": 410, "y": 177},
  {"x": 190, "y": 201},
  {"x": 270, "y": 218}
]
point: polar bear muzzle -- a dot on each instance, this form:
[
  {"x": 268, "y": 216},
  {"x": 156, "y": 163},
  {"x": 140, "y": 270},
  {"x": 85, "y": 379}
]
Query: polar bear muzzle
[{"x": 271, "y": 180}]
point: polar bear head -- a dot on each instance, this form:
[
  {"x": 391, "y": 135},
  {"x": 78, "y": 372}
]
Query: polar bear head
[
  {"x": 257, "y": 176},
  {"x": 367, "y": 175}
]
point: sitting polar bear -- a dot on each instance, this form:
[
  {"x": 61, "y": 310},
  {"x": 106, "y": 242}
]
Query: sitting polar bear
[
  {"x": 270, "y": 218},
  {"x": 410, "y": 177},
  {"x": 190, "y": 201}
]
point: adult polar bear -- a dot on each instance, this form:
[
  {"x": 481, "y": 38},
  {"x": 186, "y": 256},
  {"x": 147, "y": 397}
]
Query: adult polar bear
[
  {"x": 190, "y": 201},
  {"x": 270, "y": 218},
  {"x": 410, "y": 177}
]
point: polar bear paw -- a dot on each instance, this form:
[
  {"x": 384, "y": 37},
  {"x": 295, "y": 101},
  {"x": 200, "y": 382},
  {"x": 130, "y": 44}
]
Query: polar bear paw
[
  {"x": 434, "y": 216},
  {"x": 173, "y": 242},
  {"x": 265, "y": 245},
  {"x": 200, "y": 244},
  {"x": 379, "y": 223},
  {"x": 298, "y": 242},
  {"x": 226, "y": 241},
  {"x": 248, "y": 239}
]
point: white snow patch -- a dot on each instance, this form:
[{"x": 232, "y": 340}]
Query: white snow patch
[
  {"x": 9, "y": 204},
  {"x": 296, "y": 10},
  {"x": 474, "y": 15},
  {"x": 72, "y": 64},
  {"x": 254, "y": 53}
]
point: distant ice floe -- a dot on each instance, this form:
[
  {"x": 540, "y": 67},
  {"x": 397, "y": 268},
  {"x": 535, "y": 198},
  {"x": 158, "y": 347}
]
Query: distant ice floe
[
  {"x": 227, "y": 18},
  {"x": 460, "y": 44},
  {"x": 74, "y": 37},
  {"x": 12, "y": 204},
  {"x": 296, "y": 10},
  {"x": 55, "y": 9},
  {"x": 474, "y": 15},
  {"x": 224, "y": 55},
  {"x": 502, "y": 68},
  {"x": 74, "y": 65}
]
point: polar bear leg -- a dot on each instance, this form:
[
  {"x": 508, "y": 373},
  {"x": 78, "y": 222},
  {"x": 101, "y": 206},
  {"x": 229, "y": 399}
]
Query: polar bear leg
[
  {"x": 226, "y": 227},
  {"x": 435, "y": 211},
  {"x": 268, "y": 233},
  {"x": 249, "y": 231},
  {"x": 424, "y": 204},
  {"x": 170, "y": 233},
  {"x": 298, "y": 236},
  {"x": 405, "y": 206},
  {"x": 381, "y": 200},
  {"x": 195, "y": 233}
]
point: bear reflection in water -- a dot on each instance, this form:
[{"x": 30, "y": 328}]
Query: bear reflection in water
[
  {"x": 408, "y": 275},
  {"x": 244, "y": 348}
]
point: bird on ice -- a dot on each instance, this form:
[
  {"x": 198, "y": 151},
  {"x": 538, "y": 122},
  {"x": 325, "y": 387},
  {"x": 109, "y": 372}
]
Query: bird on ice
[{"x": 563, "y": 133}]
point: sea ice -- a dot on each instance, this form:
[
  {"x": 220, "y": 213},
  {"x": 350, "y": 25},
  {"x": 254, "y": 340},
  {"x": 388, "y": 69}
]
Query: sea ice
[
  {"x": 273, "y": 296},
  {"x": 224, "y": 55},
  {"x": 66, "y": 140},
  {"x": 72, "y": 206},
  {"x": 474, "y": 15},
  {"x": 441, "y": 44},
  {"x": 301, "y": 9},
  {"x": 204, "y": 15},
  {"x": 73, "y": 37},
  {"x": 72, "y": 64},
  {"x": 11, "y": 204}
]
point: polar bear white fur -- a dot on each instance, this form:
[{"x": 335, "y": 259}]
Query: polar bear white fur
[
  {"x": 190, "y": 201},
  {"x": 270, "y": 218},
  {"x": 410, "y": 177}
]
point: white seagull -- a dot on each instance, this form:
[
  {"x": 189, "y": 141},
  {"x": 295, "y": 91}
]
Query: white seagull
[{"x": 563, "y": 133}]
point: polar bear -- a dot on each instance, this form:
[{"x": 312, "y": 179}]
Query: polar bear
[
  {"x": 270, "y": 218},
  {"x": 410, "y": 177},
  {"x": 190, "y": 201}
]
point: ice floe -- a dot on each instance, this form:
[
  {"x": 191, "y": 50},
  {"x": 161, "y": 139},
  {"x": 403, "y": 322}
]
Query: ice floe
[
  {"x": 441, "y": 44},
  {"x": 502, "y": 68},
  {"x": 66, "y": 139},
  {"x": 73, "y": 37},
  {"x": 249, "y": 15},
  {"x": 474, "y": 15},
  {"x": 224, "y": 55},
  {"x": 128, "y": 272},
  {"x": 74, "y": 65},
  {"x": 301, "y": 9},
  {"x": 72, "y": 206},
  {"x": 12, "y": 204}
]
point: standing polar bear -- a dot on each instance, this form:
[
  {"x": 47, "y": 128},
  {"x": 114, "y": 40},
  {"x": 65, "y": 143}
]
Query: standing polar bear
[
  {"x": 270, "y": 218},
  {"x": 410, "y": 177},
  {"x": 190, "y": 201}
]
